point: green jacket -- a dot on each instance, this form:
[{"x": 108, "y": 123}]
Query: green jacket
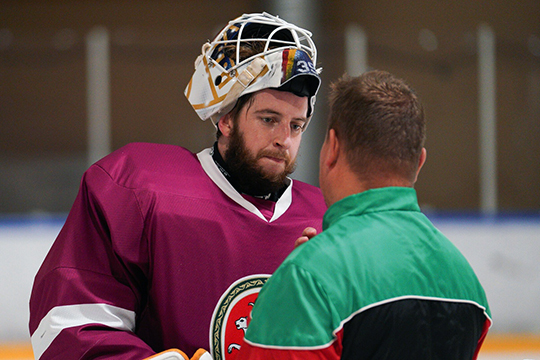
[{"x": 380, "y": 281}]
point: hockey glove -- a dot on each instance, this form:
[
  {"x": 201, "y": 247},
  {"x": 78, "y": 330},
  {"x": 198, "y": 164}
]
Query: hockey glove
[{"x": 175, "y": 354}]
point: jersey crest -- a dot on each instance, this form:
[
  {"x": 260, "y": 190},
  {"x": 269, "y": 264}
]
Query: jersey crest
[{"x": 232, "y": 316}]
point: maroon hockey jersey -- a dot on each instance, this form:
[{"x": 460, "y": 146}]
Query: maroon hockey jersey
[{"x": 150, "y": 251}]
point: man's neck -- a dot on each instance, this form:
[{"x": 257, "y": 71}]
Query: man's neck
[{"x": 351, "y": 183}]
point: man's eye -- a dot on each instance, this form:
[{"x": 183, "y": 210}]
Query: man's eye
[{"x": 297, "y": 127}]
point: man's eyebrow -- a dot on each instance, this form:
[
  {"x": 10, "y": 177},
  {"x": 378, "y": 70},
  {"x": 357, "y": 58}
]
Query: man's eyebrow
[
  {"x": 275, "y": 112},
  {"x": 267, "y": 111}
]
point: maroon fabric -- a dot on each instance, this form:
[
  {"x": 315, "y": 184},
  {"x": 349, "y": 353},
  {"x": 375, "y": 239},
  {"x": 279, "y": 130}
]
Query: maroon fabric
[{"x": 150, "y": 232}]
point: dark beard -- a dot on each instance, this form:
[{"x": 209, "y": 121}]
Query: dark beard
[{"x": 248, "y": 176}]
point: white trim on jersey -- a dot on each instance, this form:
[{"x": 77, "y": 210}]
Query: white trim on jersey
[
  {"x": 211, "y": 169},
  {"x": 63, "y": 317}
]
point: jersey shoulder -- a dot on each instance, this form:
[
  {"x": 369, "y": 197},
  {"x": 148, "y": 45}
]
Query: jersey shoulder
[
  {"x": 157, "y": 167},
  {"x": 306, "y": 196}
]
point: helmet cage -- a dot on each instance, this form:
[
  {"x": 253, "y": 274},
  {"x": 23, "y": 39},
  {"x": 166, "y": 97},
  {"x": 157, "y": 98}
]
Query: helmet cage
[{"x": 222, "y": 76}]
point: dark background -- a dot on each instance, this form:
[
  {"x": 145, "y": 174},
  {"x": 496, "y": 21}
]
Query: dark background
[{"x": 43, "y": 135}]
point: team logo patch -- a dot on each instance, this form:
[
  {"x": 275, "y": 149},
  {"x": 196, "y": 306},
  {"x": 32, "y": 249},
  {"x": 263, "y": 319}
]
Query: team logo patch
[{"x": 232, "y": 316}]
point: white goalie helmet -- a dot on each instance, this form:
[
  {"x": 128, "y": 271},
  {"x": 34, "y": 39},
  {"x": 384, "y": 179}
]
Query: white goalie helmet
[{"x": 286, "y": 62}]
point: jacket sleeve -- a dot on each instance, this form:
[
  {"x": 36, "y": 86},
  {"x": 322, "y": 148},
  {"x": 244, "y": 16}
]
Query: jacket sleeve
[{"x": 92, "y": 285}]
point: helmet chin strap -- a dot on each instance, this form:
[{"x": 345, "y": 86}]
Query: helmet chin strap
[{"x": 246, "y": 77}]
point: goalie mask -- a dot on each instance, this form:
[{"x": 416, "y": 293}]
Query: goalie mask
[{"x": 282, "y": 57}]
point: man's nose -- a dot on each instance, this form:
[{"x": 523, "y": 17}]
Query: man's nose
[{"x": 283, "y": 136}]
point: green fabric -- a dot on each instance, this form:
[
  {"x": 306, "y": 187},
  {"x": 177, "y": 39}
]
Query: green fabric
[{"x": 375, "y": 246}]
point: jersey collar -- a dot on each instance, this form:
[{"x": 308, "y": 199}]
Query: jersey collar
[{"x": 209, "y": 166}]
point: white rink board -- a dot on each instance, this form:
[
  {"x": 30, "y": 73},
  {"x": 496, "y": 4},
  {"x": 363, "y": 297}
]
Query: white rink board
[
  {"x": 505, "y": 254},
  {"x": 23, "y": 246}
]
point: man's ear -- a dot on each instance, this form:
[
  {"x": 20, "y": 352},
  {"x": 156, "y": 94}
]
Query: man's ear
[
  {"x": 332, "y": 154},
  {"x": 225, "y": 125},
  {"x": 421, "y": 162}
]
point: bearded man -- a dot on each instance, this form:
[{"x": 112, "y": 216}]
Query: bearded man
[{"x": 164, "y": 248}]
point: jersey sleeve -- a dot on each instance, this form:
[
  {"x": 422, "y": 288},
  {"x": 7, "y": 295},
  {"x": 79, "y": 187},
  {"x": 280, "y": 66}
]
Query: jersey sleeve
[
  {"x": 293, "y": 318},
  {"x": 91, "y": 286}
]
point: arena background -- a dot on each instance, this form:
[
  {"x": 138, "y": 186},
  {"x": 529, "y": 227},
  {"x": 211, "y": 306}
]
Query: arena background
[{"x": 480, "y": 184}]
